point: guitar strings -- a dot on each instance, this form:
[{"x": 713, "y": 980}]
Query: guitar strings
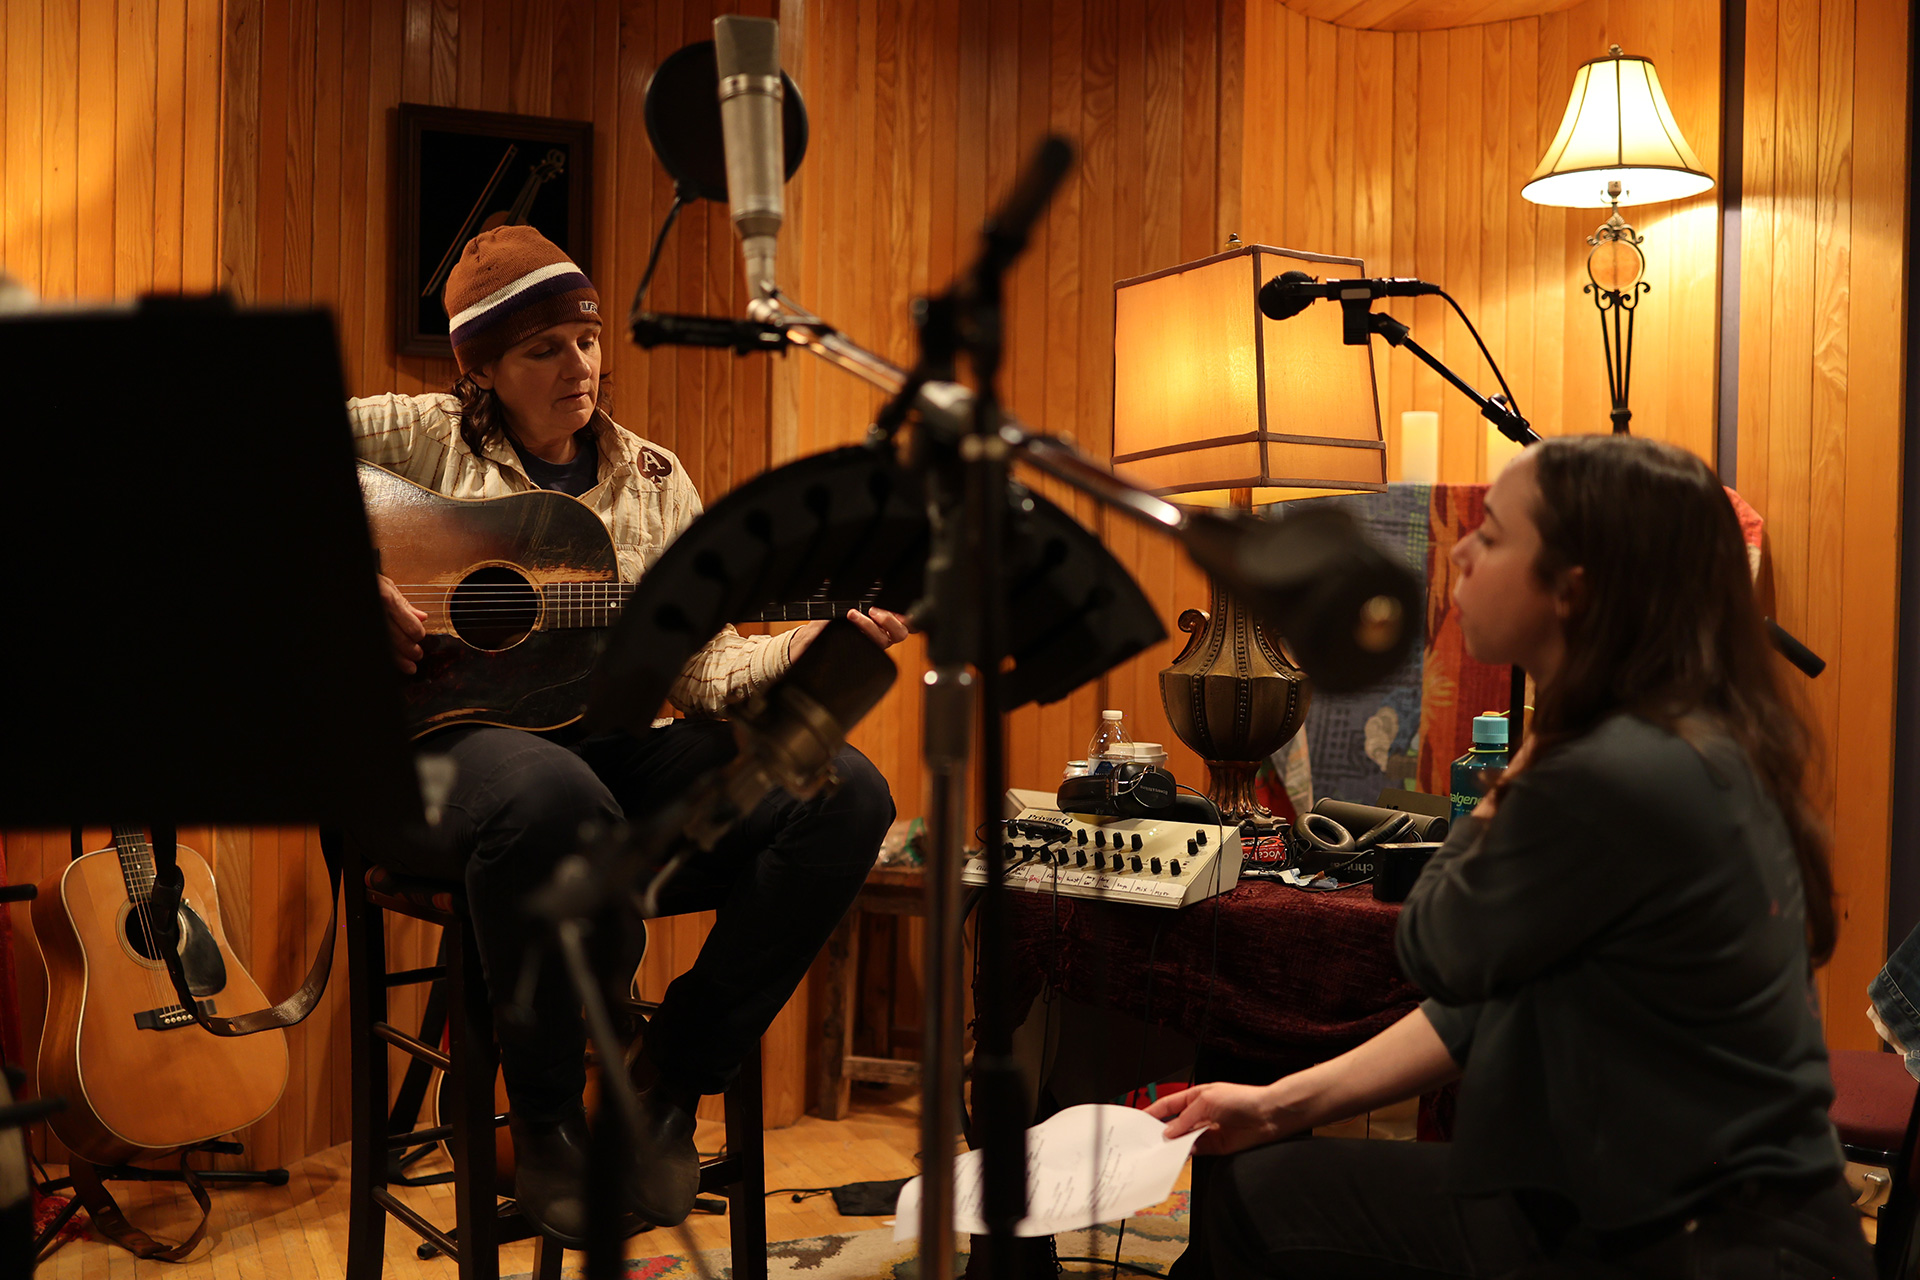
[
  {"x": 142, "y": 902},
  {"x": 145, "y": 904}
]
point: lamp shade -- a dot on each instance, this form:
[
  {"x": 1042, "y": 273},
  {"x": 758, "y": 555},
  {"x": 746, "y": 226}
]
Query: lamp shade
[
  {"x": 1618, "y": 128},
  {"x": 1210, "y": 396}
]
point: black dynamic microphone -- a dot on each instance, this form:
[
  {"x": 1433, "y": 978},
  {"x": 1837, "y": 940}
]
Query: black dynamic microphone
[
  {"x": 1291, "y": 292},
  {"x": 747, "y": 51},
  {"x": 670, "y": 329}
]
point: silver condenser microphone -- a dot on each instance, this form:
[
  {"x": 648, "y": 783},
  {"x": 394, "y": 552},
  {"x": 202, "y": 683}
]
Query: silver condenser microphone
[{"x": 747, "y": 51}]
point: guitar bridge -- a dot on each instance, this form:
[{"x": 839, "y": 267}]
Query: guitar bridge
[{"x": 169, "y": 1017}]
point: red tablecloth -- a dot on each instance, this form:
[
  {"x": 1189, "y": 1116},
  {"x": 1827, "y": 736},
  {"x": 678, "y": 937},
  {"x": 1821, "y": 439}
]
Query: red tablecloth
[{"x": 1269, "y": 973}]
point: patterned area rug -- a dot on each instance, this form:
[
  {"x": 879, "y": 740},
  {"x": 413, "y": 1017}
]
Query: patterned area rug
[{"x": 1150, "y": 1240}]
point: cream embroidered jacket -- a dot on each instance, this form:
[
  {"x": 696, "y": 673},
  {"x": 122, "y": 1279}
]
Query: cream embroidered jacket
[{"x": 643, "y": 496}]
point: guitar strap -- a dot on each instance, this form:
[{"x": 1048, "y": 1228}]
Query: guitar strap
[
  {"x": 107, "y": 1216},
  {"x": 167, "y": 887}
]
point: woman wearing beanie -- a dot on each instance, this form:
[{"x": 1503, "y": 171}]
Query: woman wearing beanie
[{"x": 526, "y": 414}]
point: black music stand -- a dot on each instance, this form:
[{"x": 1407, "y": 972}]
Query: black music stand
[{"x": 196, "y": 636}]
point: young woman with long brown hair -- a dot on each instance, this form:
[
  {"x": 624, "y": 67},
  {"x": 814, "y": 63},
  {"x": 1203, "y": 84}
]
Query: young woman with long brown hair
[{"x": 1617, "y": 946}]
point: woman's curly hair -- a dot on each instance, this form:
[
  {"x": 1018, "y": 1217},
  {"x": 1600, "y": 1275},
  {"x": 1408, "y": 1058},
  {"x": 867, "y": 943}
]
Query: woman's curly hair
[{"x": 484, "y": 419}]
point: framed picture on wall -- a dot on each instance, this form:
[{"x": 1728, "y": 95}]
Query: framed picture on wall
[{"x": 463, "y": 172}]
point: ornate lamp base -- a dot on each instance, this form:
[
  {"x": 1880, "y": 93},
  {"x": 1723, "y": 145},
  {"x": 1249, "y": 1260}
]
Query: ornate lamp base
[
  {"x": 1230, "y": 787},
  {"x": 1235, "y": 698}
]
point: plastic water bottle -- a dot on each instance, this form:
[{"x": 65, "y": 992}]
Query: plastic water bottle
[
  {"x": 1111, "y": 743},
  {"x": 1472, "y": 772}
]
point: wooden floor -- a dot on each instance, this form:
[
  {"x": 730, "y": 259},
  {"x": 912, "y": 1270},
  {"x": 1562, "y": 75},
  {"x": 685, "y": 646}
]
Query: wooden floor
[{"x": 300, "y": 1230}]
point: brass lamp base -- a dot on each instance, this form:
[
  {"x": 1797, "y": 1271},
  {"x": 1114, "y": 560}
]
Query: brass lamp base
[
  {"x": 1230, "y": 787},
  {"x": 1234, "y": 697}
]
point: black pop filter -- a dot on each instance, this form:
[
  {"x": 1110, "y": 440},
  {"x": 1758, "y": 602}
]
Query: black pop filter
[
  {"x": 683, "y": 121},
  {"x": 837, "y": 522},
  {"x": 1345, "y": 606}
]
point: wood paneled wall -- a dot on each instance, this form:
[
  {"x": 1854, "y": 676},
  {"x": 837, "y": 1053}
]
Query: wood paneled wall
[
  {"x": 1823, "y": 280},
  {"x": 1409, "y": 150},
  {"x": 1197, "y": 120},
  {"x": 165, "y": 145},
  {"x": 187, "y": 144},
  {"x": 923, "y": 114}
]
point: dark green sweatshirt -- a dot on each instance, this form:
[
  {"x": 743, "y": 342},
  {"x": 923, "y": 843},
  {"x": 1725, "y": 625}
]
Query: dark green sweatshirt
[{"x": 1618, "y": 961}]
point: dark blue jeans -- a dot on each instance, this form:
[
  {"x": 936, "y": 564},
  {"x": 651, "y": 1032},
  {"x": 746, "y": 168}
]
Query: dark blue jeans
[
  {"x": 1895, "y": 991},
  {"x": 781, "y": 879}
]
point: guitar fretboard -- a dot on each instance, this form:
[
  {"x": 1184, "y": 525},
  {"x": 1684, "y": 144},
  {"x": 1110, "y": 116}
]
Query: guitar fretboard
[
  {"x": 811, "y": 609},
  {"x": 136, "y": 862},
  {"x": 597, "y": 604},
  {"x": 583, "y": 604}
]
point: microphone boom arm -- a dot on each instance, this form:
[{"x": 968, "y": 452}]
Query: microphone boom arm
[
  {"x": 947, "y": 407},
  {"x": 1495, "y": 410}
]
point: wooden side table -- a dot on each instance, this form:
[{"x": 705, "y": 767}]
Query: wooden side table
[{"x": 888, "y": 891}]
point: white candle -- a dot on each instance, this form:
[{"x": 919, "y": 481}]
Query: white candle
[
  {"x": 1500, "y": 451},
  {"x": 1420, "y": 446}
]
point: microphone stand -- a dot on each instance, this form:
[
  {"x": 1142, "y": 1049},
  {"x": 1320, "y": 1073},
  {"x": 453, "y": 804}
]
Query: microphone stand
[
  {"x": 964, "y": 447},
  {"x": 968, "y": 473},
  {"x": 965, "y": 450},
  {"x": 1498, "y": 410}
]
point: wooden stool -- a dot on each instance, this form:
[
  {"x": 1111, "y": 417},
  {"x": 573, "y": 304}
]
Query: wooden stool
[
  {"x": 482, "y": 1222},
  {"x": 470, "y": 1063},
  {"x": 895, "y": 891}
]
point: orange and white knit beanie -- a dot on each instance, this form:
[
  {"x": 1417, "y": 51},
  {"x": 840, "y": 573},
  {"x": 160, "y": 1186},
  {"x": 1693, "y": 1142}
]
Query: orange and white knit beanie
[{"x": 509, "y": 284}]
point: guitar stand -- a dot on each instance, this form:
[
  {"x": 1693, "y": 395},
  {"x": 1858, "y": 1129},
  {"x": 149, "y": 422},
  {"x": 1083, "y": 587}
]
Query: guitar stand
[{"x": 134, "y": 1173}]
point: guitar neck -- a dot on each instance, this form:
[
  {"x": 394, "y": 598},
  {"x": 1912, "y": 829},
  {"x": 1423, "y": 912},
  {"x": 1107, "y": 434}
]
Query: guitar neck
[
  {"x": 597, "y": 604},
  {"x": 807, "y": 610},
  {"x": 582, "y": 604},
  {"x": 137, "y": 867}
]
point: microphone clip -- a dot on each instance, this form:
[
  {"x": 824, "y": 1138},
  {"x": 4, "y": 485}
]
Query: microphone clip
[
  {"x": 1356, "y": 317},
  {"x": 743, "y": 337}
]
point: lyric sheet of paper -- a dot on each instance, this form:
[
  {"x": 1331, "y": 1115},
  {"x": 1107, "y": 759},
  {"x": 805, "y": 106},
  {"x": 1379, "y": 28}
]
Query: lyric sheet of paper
[{"x": 1088, "y": 1164}]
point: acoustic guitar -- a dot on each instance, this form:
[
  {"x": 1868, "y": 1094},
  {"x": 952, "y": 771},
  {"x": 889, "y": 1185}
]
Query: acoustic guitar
[
  {"x": 141, "y": 1077},
  {"x": 520, "y": 593}
]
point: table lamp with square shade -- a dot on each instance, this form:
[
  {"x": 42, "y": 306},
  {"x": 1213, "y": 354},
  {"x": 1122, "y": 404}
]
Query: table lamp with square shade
[{"x": 1216, "y": 405}]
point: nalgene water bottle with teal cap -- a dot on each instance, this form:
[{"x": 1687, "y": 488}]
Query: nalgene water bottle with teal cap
[{"x": 1475, "y": 771}]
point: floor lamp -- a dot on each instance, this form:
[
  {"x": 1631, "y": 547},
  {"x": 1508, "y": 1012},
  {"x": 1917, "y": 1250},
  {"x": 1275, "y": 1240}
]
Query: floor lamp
[
  {"x": 1617, "y": 145},
  {"x": 1216, "y": 405}
]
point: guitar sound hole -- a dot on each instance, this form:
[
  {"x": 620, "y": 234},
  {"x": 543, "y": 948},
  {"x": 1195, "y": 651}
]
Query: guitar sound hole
[
  {"x": 494, "y": 608},
  {"x": 138, "y": 927}
]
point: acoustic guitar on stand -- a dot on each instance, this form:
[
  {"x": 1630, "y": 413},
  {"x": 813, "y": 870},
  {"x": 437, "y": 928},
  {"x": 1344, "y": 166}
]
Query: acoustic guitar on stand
[
  {"x": 141, "y": 1077},
  {"x": 520, "y": 594}
]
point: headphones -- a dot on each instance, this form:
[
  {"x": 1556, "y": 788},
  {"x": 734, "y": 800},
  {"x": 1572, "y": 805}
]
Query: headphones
[
  {"x": 1126, "y": 791},
  {"x": 1328, "y": 843}
]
